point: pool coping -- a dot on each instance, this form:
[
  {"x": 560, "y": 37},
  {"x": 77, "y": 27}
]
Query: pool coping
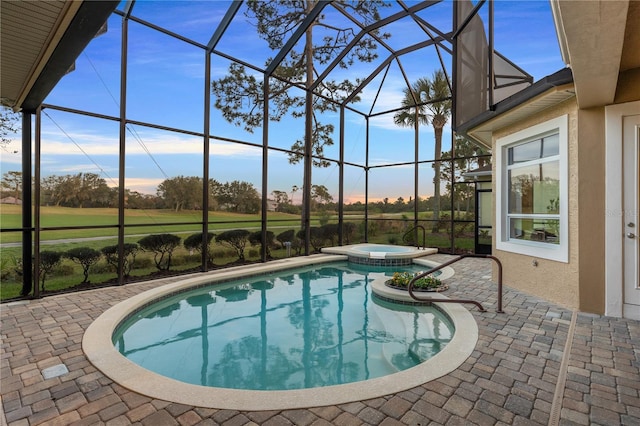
[
  {"x": 352, "y": 250},
  {"x": 101, "y": 352}
]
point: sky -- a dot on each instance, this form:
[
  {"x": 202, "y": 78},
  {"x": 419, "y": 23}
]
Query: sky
[{"x": 166, "y": 87}]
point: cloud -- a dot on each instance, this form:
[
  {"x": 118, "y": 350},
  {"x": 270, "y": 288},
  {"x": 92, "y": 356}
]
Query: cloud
[
  {"x": 142, "y": 185},
  {"x": 11, "y": 153},
  {"x": 157, "y": 143}
]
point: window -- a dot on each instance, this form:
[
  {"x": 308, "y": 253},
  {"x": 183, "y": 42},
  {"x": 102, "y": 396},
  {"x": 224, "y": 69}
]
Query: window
[{"x": 532, "y": 191}]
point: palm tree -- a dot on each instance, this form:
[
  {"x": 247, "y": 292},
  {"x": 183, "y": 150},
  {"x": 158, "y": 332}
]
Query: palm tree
[{"x": 433, "y": 100}]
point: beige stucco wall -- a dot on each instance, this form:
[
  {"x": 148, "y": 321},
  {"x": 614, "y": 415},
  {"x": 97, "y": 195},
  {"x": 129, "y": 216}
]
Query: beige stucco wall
[
  {"x": 628, "y": 89},
  {"x": 554, "y": 281},
  {"x": 591, "y": 209}
]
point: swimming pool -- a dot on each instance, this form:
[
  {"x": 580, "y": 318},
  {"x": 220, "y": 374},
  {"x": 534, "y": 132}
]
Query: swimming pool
[
  {"x": 103, "y": 354},
  {"x": 302, "y": 328}
]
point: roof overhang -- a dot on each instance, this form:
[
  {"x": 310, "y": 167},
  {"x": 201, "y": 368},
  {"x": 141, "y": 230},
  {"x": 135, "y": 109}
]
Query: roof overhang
[
  {"x": 543, "y": 94},
  {"x": 600, "y": 41},
  {"x": 40, "y": 42}
]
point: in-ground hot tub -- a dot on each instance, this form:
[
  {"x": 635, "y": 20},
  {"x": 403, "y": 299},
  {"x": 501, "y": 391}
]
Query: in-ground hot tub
[{"x": 380, "y": 254}]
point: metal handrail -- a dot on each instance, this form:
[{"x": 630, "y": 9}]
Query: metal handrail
[
  {"x": 424, "y": 236},
  {"x": 452, "y": 261}
]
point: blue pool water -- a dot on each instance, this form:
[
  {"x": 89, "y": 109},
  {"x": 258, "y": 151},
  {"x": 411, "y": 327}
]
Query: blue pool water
[{"x": 294, "y": 329}]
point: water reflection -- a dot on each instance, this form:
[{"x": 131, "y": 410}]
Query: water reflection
[{"x": 313, "y": 328}]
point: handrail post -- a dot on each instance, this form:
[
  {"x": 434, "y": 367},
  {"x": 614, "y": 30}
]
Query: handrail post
[
  {"x": 414, "y": 229},
  {"x": 497, "y": 261}
]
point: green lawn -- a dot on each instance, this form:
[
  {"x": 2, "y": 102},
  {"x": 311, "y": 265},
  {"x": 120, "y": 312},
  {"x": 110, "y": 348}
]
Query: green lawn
[
  {"x": 10, "y": 217},
  {"x": 68, "y": 274}
]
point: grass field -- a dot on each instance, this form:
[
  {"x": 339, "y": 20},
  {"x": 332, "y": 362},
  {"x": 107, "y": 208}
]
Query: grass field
[
  {"x": 143, "y": 222},
  {"x": 69, "y": 274}
]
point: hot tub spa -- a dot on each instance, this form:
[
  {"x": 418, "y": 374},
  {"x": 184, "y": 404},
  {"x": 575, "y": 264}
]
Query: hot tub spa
[{"x": 380, "y": 254}]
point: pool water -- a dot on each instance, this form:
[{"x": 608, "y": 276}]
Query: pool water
[{"x": 295, "y": 329}]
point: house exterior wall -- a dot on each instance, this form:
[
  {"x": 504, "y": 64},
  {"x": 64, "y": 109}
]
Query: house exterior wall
[
  {"x": 591, "y": 209},
  {"x": 628, "y": 89},
  {"x": 551, "y": 280}
]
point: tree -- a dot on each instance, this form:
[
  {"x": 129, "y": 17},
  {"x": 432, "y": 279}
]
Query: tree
[
  {"x": 137, "y": 200},
  {"x": 162, "y": 245},
  {"x": 320, "y": 194},
  {"x": 79, "y": 190},
  {"x": 8, "y": 125},
  {"x": 130, "y": 250},
  {"x": 194, "y": 242},
  {"x": 12, "y": 181},
  {"x": 48, "y": 261},
  {"x": 182, "y": 192},
  {"x": 93, "y": 191},
  {"x": 428, "y": 100},
  {"x": 236, "y": 239},
  {"x": 281, "y": 199},
  {"x": 240, "y": 96},
  {"x": 294, "y": 189},
  {"x": 240, "y": 197},
  {"x": 85, "y": 257}
]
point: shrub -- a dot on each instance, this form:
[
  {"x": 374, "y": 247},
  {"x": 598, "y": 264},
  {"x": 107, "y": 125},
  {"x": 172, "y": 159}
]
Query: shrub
[
  {"x": 237, "y": 239},
  {"x": 256, "y": 238},
  {"x": 85, "y": 257},
  {"x": 372, "y": 227},
  {"x": 63, "y": 270},
  {"x": 130, "y": 250},
  {"x": 349, "y": 231},
  {"x": 290, "y": 236},
  {"x": 194, "y": 242},
  {"x": 285, "y": 236},
  {"x": 324, "y": 217},
  {"x": 48, "y": 261},
  {"x": 162, "y": 245},
  {"x": 316, "y": 237},
  {"x": 330, "y": 233},
  {"x": 10, "y": 268},
  {"x": 443, "y": 222}
]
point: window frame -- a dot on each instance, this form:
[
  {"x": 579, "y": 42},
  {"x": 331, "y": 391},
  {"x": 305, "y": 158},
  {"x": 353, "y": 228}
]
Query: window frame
[{"x": 556, "y": 252}]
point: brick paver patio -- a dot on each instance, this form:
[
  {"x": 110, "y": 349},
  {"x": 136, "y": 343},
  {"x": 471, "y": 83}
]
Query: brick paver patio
[{"x": 519, "y": 374}]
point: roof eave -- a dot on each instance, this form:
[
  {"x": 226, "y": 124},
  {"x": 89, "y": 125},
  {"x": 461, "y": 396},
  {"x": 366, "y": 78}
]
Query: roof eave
[
  {"x": 549, "y": 91},
  {"x": 69, "y": 42}
]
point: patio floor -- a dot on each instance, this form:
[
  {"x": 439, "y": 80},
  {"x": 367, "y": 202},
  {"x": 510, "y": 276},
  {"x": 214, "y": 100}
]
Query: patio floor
[{"x": 524, "y": 370}]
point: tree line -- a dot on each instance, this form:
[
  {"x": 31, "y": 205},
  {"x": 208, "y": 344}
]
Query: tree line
[{"x": 89, "y": 190}]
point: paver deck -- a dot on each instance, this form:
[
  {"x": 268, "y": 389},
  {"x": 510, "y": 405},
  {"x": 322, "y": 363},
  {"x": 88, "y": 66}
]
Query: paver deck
[{"x": 536, "y": 364}]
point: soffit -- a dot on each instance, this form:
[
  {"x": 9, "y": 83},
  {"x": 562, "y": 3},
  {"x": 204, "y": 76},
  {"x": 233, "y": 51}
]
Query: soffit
[
  {"x": 483, "y": 132},
  {"x": 593, "y": 33},
  {"x": 30, "y": 31},
  {"x": 40, "y": 40}
]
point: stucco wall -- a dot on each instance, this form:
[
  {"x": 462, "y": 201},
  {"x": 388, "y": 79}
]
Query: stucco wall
[
  {"x": 628, "y": 89},
  {"x": 554, "y": 281},
  {"x": 591, "y": 211}
]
